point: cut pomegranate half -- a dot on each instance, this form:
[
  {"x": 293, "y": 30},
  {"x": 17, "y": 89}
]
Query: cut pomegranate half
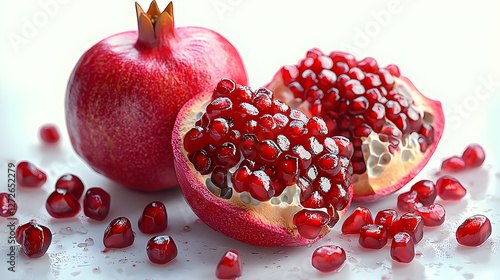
[
  {"x": 257, "y": 171},
  {"x": 394, "y": 128}
]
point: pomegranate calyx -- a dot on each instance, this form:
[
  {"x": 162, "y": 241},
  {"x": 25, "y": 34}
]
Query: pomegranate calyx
[{"x": 156, "y": 28}]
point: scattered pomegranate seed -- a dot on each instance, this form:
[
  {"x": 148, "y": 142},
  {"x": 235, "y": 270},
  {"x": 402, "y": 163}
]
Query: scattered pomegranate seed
[
  {"x": 449, "y": 188},
  {"x": 402, "y": 247},
  {"x": 28, "y": 175},
  {"x": 61, "y": 204},
  {"x": 119, "y": 233},
  {"x": 49, "y": 133},
  {"x": 474, "y": 231},
  {"x": 360, "y": 216},
  {"x": 410, "y": 223},
  {"x": 8, "y": 206},
  {"x": 474, "y": 155},
  {"x": 229, "y": 266},
  {"x": 161, "y": 249},
  {"x": 96, "y": 204},
  {"x": 154, "y": 218},
  {"x": 426, "y": 191},
  {"x": 310, "y": 223},
  {"x": 34, "y": 239},
  {"x": 408, "y": 201},
  {"x": 386, "y": 217},
  {"x": 328, "y": 258},
  {"x": 453, "y": 164},
  {"x": 373, "y": 236},
  {"x": 432, "y": 215},
  {"x": 72, "y": 184}
]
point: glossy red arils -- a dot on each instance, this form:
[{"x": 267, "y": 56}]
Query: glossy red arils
[
  {"x": 328, "y": 258},
  {"x": 8, "y": 206},
  {"x": 426, "y": 191},
  {"x": 119, "y": 233},
  {"x": 96, "y": 204},
  {"x": 310, "y": 223},
  {"x": 402, "y": 247},
  {"x": 449, "y": 188},
  {"x": 154, "y": 218},
  {"x": 408, "y": 201},
  {"x": 49, "y": 133},
  {"x": 453, "y": 164},
  {"x": 72, "y": 184},
  {"x": 61, "y": 204},
  {"x": 161, "y": 249},
  {"x": 410, "y": 223},
  {"x": 432, "y": 215},
  {"x": 28, "y": 175},
  {"x": 474, "y": 231},
  {"x": 386, "y": 217},
  {"x": 373, "y": 236},
  {"x": 229, "y": 266},
  {"x": 360, "y": 216},
  {"x": 34, "y": 239},
  {"x": 474, "y": 155}
]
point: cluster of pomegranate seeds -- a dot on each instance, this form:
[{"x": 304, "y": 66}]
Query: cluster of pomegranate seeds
[
  {"x": 474, "y": 231},
  {"x": 472, "y": 157},
  {"x": 96, "y": 204},
  {"x": 161, "y": 249},
  {"x": 119, "y": 233},
  {"x": 328, "y": 258},
  {"x": 49, "y": 133},
  {"x": 8, "y": 206},
  {"x": 229, "y": 266},
  {"x": 34, "y": 239},
  {"x": 154, "y": 218},
  {"x": 250, "y": 142},
  {"x": 356, "y": 97},
  {"x": 28, "y": 175}
]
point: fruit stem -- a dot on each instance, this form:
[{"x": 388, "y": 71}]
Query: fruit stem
[{"x": 156, "y": 28}]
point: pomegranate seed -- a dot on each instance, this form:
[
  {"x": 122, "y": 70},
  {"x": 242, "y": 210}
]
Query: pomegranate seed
[
  {"x": 410, "y": 223},
  {"x": 289, "y": 74},
  {"x": 474, "y": 156},
  {"x": 194, "y": 138},
  {"x": 119, "y": 233},
  {"x": 453, "y": 164},
  {"x": 328, "y": 258},
  {"x": 386, "y": 217},
  {"x": 227, "y": 155},
  {"x": 474, "y": 231},
  {"x": 96, "y": 204},
  {"x": 154, "y": 218},
  {"x": 202, "y": 161},
  {"x": 28, "y": 175},
  {"x": 426, "y": 191},
  {"x": 49, "y": 133},
  {"x": 161, "y": 249},
  {"x": 432, "y": 215},
  {"x": 8, "y": 206},
  {"x": 224, "y": 88},
  {"x": 449, "y": 188},
  {"x": 72, "y": 184},
  {"x": 408, "y": 201},
  {"x": 368, "y": 64},
  {"x": 229, "y": 266},
  {"x": 372, "y": 236},
  {"x": 35, "y": 239},
  {"x": 310, "y": 223},
  {"x": 61, "y": 204},
  {"x": 258, "y": 184},
  {"x": 393, "y": 69},
  {"x": 360, "y": 216},
  {"x": 402, "y": 247}
]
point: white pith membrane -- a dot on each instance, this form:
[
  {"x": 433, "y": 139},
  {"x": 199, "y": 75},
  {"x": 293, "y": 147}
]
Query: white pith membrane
[
  {"x": 278, "y": 211},
  {"x": 383, "y": 169}
]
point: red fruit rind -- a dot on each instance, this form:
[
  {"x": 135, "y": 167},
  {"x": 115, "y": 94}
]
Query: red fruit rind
[{"x": 262, "y": 225}]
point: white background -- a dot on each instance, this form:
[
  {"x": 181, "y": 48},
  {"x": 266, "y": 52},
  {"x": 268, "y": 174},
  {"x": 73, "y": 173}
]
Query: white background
[{"x": 449, "y": 49}]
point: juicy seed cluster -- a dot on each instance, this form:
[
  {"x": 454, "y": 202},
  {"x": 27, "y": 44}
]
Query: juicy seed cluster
[
  {"x": 356, "y": 97},
  {"x": 247, "y": 141}
]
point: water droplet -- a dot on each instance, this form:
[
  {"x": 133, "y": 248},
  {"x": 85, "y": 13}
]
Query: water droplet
[
  {"x": 198, "y": 221},
  {"x": 309, "y": 245},
  {"x": 89, "y": 241},
  {"x": 82, "y": 230},
  {"x": 75, "y": 273},
  {"x": 66, "y": 231},
  {"x": 187, "y": 228}
]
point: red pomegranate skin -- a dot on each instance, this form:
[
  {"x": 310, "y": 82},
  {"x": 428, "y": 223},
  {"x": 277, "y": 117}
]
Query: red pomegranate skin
[{"x": 123, "y": 97}]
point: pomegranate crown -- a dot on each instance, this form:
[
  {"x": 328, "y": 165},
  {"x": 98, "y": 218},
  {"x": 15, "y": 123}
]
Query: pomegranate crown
[{"x": 156, "y": 28}]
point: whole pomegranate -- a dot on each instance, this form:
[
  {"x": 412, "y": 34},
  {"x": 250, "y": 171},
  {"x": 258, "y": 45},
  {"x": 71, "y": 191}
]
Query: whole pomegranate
[
  {"x": 393, "y": 127},
  {"x": 124, "y": 94}
]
